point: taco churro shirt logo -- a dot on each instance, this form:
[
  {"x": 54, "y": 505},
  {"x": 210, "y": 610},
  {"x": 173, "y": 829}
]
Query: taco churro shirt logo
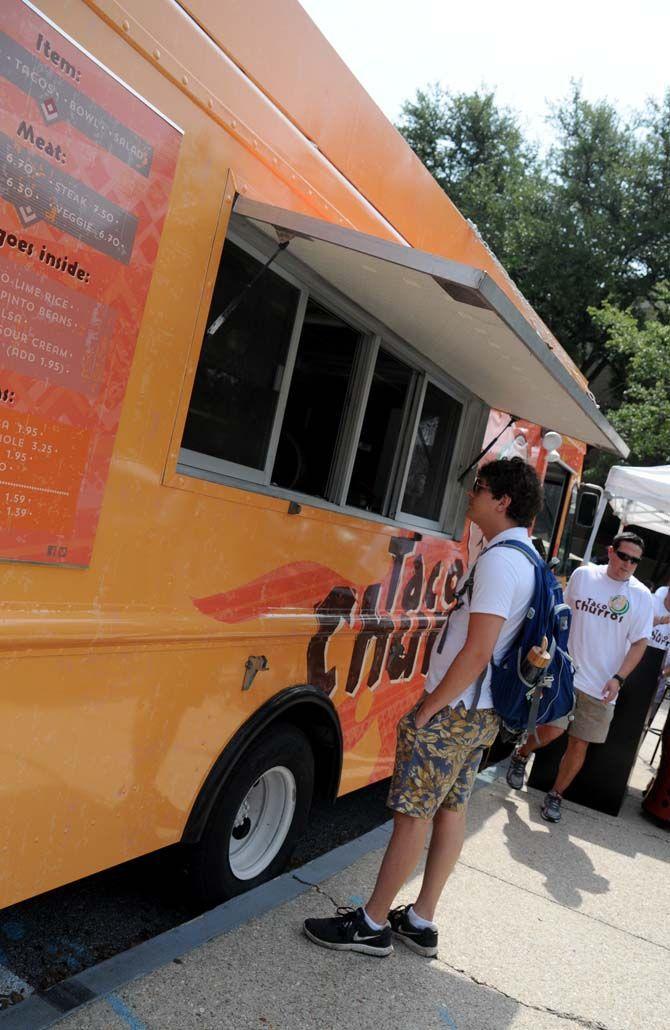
[
  {"x": 619, "y": 604},
  {"x": 615, "y": 609}
]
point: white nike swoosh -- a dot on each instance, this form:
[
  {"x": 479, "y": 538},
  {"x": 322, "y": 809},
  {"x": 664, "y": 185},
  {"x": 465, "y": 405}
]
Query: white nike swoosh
[{"x": 369, "y": 937}]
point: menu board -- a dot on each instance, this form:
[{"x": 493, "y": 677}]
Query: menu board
[{"x": 86, "y": 168}]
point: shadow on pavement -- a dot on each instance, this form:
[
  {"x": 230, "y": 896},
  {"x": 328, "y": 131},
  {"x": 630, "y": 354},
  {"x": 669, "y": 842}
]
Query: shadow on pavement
[{"x": 567, "y": 869}]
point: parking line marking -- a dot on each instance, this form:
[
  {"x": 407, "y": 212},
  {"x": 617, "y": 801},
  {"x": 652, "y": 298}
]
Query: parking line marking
[
  {"x": 122, "y": 1010},
  {"x": 443, "y": 1013}
]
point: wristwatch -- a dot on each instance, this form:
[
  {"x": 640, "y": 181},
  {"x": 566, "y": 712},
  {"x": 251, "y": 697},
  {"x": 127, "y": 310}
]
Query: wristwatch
[{"x": 620, "y": 680}]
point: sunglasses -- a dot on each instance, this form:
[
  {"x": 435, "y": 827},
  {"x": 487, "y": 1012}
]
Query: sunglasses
[
  {"x": 627, "y": 557},
  {"x": 479, "y": 485}
]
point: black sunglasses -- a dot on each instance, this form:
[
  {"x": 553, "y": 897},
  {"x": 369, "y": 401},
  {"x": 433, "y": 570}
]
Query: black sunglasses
[
  {"x": 627, "y": 557},
  {"x": 479, "y": 485}
]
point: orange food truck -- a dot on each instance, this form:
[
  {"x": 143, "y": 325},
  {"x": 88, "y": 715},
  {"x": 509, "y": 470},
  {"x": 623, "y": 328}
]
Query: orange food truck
[{"x": 248, "y": 350}]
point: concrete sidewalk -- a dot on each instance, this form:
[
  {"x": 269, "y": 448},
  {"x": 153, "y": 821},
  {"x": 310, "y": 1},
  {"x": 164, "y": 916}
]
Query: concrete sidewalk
[{"x": 540, "y": 927}]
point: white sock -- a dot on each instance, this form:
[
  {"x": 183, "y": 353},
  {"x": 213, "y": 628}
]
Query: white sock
[
  {"x": 418, "y": 921},
  {"x": 371, "y": 923}
]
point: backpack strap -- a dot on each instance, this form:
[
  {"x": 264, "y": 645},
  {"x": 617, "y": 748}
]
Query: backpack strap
[
  {"x": 465, "y": 589},
  {"x": 479, "y": 683},
  {"x": 534, "y": 559},
  {"x": 519, "y": 545}
]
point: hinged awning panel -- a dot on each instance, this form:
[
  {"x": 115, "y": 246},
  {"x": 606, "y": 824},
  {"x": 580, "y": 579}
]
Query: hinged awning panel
[{"x": 452, "y": 313}]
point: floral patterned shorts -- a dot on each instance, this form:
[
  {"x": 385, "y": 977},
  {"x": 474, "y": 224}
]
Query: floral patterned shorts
[{"x": 436, "y": 766}]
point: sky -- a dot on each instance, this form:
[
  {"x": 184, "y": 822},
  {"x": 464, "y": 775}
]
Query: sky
[{"x": 526, "y": 52}]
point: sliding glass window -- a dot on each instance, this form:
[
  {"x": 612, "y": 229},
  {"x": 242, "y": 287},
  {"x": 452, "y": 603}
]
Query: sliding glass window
[{"x": 291, "y": 396}]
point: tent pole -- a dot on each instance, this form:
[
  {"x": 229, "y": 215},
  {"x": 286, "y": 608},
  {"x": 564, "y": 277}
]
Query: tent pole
[{"x": 624, "y": 516}]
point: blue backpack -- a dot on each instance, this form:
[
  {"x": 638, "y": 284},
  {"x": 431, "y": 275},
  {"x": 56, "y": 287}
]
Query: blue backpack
[{"x": 524, "y": 705}]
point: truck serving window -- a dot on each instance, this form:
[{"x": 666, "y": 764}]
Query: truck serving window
[{"x": 291, "y": 397}]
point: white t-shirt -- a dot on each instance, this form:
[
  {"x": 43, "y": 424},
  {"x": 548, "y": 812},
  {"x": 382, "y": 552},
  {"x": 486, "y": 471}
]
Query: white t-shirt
[
  {"x": 660, "y": 635},
  {"x": 504, "y": 583},
  {"x": 608, "y": 615}
]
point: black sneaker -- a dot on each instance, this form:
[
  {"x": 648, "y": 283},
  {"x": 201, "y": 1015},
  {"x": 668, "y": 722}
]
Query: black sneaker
[
  {"x": 516, "y": 771},
  {"x": 423, "y": 941},
  {"x": 551, "y": 809},
  {"x": 348, "y": 931}
]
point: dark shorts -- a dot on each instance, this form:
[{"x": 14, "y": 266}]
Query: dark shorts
[{"x": 436, "y": 766}]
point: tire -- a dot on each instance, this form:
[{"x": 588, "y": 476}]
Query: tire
[{"x": 259, "y": 816}]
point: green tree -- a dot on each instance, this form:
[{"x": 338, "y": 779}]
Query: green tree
[
  {"x": 595, "y": 169},
  {"x": 566, "y": 226},
  {"x": 477, "y": 153},
  {"x": 583, "y": 230},
  {"x": 652, "y": 218},
  {"x": 642, "y": 341}
]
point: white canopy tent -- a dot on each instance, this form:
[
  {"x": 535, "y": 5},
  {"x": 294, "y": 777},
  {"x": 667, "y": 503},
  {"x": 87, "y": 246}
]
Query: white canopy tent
[{"x": 639, "y": 496}]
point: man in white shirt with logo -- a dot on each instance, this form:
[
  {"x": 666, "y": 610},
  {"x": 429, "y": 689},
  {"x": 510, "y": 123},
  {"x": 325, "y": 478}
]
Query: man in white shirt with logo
[
  {"x": 612, "y": 619},
  {"x": 440, "y": 743}
]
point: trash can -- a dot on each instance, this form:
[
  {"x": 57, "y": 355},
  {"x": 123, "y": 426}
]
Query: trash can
[{"x": 601, "y": 783}]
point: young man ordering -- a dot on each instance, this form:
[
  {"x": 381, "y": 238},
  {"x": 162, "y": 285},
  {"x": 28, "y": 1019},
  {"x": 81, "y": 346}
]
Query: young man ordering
[
  {"x": 440, "y": 745},
  {"x": 612, "y": 618}
]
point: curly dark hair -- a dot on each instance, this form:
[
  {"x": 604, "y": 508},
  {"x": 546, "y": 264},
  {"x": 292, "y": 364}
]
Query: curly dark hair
[{"x": 518, "y": 480}]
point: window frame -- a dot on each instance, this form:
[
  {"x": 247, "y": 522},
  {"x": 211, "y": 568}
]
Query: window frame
[
  {"x": 405, "y": 518},
  {"x": 373, "y": 336}
]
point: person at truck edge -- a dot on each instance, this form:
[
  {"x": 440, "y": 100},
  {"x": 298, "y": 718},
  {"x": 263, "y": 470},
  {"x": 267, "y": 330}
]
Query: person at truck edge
[
  {"x": 440, "y": 742},
  {"x": 660, "y": 636},
  {"x": 612, "y": 619}
]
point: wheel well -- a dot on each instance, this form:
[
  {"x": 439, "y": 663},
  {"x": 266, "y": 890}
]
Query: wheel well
[
  {"x": 326, "y": 745},
  {"x": 302, "y": 706}
]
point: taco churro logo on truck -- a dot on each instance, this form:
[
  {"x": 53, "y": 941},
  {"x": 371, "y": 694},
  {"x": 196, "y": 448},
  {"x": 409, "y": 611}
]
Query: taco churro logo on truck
[{"x": 397, "y": 616}]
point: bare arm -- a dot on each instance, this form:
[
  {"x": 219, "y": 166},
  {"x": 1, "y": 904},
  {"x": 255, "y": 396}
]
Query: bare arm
[
  {"x": 633, "y": 657},
  {"x": 635, "y": 652},
  {"x": 471, "y": 660},
  {"x": 661, "y": 620}
]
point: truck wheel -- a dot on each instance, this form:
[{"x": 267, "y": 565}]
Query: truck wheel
[{"x": 260, "y": 814}]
